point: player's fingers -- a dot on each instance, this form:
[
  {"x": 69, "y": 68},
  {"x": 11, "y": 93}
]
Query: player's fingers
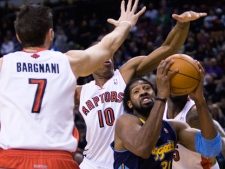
[
  {"x": 160, "y": 67},
  {"x": 129, "y": 5},
  {"x": 201, "y": 71},
  {"x": 199, "y": 65},
  {"x": 113, "y": 22},
  {"x": 163, "y": 66},
  {"x": 168, "y": 63},
  {"x": 202, "y": 14},
  {"x": 177, "y": 17},
  {"x": 141, "y": 11},
  {"x": 171, "y": 73},
  {"x": 134, "y": 8},
  {"x": 122, "y": 6},
  {"x": 195, "y": 15},
  {"x": 201, "y": 68}
]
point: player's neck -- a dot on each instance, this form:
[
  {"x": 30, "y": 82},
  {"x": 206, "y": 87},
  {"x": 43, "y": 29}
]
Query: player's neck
[
  {"x": 100, "y": 81},
  {"x": 34, "y": 49},
  {"x": 174, "y": 110},
  {"x": 141, "y": 117},
  {"x": 172, "y": 114}
]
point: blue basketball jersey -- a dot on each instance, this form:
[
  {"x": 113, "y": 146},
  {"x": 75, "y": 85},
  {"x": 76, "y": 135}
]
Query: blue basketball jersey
[{"x": 160, "y": 158}]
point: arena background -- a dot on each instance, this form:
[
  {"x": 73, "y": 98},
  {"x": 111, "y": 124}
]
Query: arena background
[{"x": 78, "y": 23}]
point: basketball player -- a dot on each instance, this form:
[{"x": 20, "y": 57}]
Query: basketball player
[
  {"x": 101, "y": 99},
  {"x": 37, "y": 89},
  {"x": 143, "y": 140},
  {"x": 183, "y": 108}
]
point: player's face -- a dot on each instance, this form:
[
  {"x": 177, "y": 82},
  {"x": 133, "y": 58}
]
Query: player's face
[
  {"x": 141, "y": 97},
  {"x": 105, "y": 69}
]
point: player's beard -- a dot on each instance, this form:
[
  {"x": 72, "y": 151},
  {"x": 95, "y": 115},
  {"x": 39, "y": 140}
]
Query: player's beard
[{"x": 144, "y": 110}]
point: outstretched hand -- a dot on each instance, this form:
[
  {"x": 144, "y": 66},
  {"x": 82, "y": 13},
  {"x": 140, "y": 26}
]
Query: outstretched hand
[
  {"x": 188, "y": 16},
  {"x": 128, "y": 15}
]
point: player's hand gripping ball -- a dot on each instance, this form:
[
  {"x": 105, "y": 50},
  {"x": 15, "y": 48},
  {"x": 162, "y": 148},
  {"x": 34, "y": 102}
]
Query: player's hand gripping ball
[{"x": 188, "y": 76}]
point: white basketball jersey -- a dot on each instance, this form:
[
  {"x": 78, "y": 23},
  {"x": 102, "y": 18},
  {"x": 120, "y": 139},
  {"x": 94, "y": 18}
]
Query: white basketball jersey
[
  {"x": 184, "y": 158},
  {"x": 100, "y": 108},
  {"x": 37, "y": 100}
]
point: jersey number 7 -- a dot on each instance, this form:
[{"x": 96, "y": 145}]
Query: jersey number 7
[{"x": 41, "y": 85}]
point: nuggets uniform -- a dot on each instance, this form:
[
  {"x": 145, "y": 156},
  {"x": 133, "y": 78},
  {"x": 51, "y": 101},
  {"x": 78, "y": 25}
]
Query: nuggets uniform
[
  {"x": 161, "y": 156},
  {"x": 37, "y": 100},
  {"x": 184, "y": 158},
  {"x": 100, "y": 108}
]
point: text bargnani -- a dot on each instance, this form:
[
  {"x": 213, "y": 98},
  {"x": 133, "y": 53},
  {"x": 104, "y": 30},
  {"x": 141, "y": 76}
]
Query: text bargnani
[{"x": 38, "y": 67}]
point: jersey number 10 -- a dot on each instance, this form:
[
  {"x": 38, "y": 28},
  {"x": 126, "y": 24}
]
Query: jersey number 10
[{"x": 109, "y": 117}]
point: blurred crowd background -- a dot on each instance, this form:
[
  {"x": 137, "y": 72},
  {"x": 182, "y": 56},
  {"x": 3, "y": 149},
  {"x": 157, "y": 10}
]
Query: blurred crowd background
[{"x": 79, "y": 23}]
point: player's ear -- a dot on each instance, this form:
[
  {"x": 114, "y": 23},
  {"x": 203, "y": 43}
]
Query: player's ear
[
  {"x": 129, "y": 104},
  {"x": 51, "y": 34},
  {"x": 18, "y": 38}
]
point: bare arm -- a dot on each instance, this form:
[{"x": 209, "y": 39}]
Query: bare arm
[
  {"x": 186, "y": 136},
  {"x": 141, "y": 139},
  {"x": 139, "y": 66},
  {"x": 86, "y": 62},
  {"x": 206, "y": 123}
]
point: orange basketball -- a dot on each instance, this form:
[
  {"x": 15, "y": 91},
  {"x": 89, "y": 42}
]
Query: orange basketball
[{"x": 188, "y": 77}]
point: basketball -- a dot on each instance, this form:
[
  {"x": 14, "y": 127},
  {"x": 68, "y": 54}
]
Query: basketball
[{"x": 188, "y": 76}]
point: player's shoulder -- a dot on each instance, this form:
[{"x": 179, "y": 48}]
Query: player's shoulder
[
  {"x": 128, "y": 118},
  {"x": 12, "y": 54},
  {"x": 87, "y": 88},
  {"x": 76, "y": 55},
  {"x": 177, "y": 124},
  {"x": 52, "y": 52},
  {"x": 192, "y": 114}
]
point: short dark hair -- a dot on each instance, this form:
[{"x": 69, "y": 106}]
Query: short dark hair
[
  {"x": 126, "y": 97},
  {"x": 32, "y": 23}
]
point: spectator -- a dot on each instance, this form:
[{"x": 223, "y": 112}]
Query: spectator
[{"x": 7, "y": 46}]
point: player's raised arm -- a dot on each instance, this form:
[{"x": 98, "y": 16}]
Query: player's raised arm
[
  {"x": 86, "y": 62},
  {"x": 139, "y": 66},
  {"x": 207, "y": 141}
]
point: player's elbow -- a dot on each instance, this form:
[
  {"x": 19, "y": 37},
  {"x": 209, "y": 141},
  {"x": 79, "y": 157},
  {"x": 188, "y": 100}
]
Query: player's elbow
[
  {"x": 170, "y": 50},
  {"x": 174, "y": 49}
]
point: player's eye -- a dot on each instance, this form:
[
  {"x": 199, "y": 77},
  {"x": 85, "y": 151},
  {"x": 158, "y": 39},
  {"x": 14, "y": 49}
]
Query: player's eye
[{"x": 146, "y": 88}]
